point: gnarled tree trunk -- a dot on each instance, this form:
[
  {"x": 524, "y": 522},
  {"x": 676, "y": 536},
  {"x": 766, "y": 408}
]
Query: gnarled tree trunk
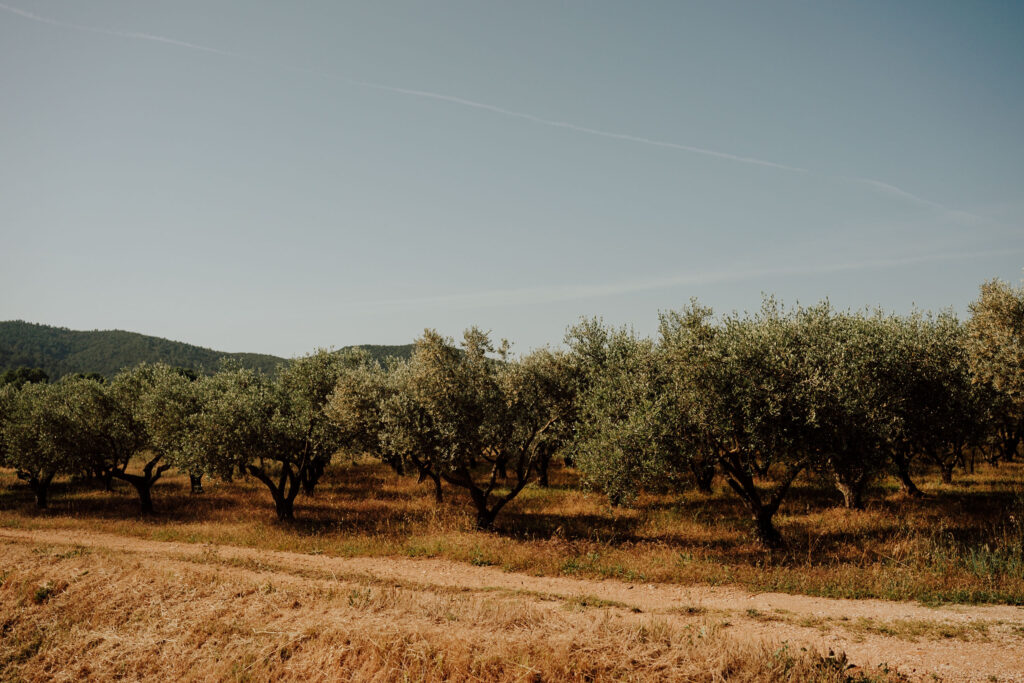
[
  {"x": 283, "y": 491},
  {"x": 143, "y": 483},
  {"x": 902, "y": 462},
  {"x": 742, "y": 482}
]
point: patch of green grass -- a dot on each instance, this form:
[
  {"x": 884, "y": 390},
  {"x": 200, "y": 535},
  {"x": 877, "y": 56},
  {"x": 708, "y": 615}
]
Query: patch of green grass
[
  {"x": 581, "y": 602},
  {"x": 43, "y": 592},
  {"x": 916, "y": 629}
]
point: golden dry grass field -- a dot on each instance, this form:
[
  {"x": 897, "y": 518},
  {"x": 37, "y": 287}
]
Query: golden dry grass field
[{"x": 376, "y": 580}]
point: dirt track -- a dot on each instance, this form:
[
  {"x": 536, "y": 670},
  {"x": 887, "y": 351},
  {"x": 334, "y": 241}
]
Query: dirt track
[{"x": 956, "y": 643}]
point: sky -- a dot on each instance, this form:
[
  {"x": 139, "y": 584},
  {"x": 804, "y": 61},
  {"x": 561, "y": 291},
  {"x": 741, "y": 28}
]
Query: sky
[{"x": 280, "y": 176}]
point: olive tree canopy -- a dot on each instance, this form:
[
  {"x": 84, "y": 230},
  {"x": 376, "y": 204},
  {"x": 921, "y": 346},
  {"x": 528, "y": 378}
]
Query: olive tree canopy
[
  {"x": 457, "y": 415},
  {"x": 996, "y": 346}
]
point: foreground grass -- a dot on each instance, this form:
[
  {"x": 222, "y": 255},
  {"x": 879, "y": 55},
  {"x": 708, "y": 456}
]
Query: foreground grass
[
  {"x": 962, "y": 544},
  {"x": 72, "y": 614}
]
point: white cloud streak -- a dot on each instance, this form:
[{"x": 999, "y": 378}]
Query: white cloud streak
[
  {"x": 554, "y": 294},
  {"x": 572, "y": 126},
  {"x": 120, "y": 34},
  {"x": 953, "y": 215},
  {"x": 423, "y": 94}
]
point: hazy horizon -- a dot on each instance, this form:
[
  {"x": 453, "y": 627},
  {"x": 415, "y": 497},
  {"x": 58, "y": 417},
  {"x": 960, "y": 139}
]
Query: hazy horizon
[{"x": 272, "y": 178}]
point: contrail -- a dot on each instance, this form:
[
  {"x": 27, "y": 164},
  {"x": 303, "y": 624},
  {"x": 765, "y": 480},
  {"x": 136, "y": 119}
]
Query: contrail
[
  {"x": 122, "y": 34},
  {"x": 541, "y": 295},
  {"x": 424, "y": 94},
  {"x": 572, "y": 126},
  {"x": 892, "y": 190},
  {"x": 412, "y": 92},
  {"x": 886, "y": 188}
]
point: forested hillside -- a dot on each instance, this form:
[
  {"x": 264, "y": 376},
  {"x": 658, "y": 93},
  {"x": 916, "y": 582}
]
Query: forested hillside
[{"x": 60, "y": 351}]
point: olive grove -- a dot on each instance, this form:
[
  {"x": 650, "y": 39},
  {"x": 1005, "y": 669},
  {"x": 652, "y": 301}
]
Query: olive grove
[{"x": 752, "y": 402}]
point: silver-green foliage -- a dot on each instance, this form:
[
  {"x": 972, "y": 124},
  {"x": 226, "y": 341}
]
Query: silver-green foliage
[
  {"x": 42, "y": 433},
  {"x": 996, "y": 346},
  {"x": 457, "y": 415},
  {"x": 273, "y": 430},
  {"x": 149, "y": 413},
  {"x": 744, "y": 389},
  {"x": 627, "y": 431}
]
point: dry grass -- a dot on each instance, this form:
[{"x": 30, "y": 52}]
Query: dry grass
[
  {"x": 963, "y": 543},
  {"x": 73, "y": 614}
]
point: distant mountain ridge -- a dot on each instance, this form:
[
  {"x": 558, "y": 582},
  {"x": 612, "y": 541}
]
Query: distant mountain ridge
[{"x": 61, "y": 351}]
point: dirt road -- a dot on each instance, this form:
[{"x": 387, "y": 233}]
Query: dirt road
[{"x": 954, "y": 643}]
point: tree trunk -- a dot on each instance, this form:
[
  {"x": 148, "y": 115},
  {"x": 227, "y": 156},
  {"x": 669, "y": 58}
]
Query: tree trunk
[
  {"x": 1009, "y": 446},
  {"x": 767, "y": 534},
  {"x": 196, "y": 482},
  {"x": 284, "y": 506},
  {"x": 853, "y": 494},
  {"x": 438, "y": 493},
  {"x": 40, "y": 486},
  {"x": 311, "y": 474},
  {"x": 143, "y": 488},
  {"x": 143, "y": 483},
  {"x": 852, "y": 487},
  {"x": 543, "y": 462},
  {"x": 104, "y": 476},
  {"x": 741, "y": 481},
  {"x": 485, "y": 519},
  {"x": 903, "y": 473},
  {"x": 703, "y": 475},
  {"x": 283, "y": 491},
  {"x": 485, "y": 515},
  {"x": 947, "y": 472}
]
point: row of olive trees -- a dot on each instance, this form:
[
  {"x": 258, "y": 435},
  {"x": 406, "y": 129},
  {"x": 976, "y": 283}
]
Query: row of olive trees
[
  {"x": 236, "y": 423},
  {"x": 758, "y": 400},
  {"x": 765, "y": 398},
  {"x": 457, "y": 416}
]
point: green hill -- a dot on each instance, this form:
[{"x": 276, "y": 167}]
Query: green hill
[{"x": 60, "y": 351}]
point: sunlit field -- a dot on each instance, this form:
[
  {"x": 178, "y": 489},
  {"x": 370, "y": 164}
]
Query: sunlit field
[
  {"x": 961, "y": 543},
  {"x": 101, "y": 615}
]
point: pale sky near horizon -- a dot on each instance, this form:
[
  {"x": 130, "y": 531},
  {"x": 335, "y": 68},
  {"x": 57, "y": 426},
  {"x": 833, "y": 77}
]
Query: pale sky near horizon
[{"x": 275, "y": 177}]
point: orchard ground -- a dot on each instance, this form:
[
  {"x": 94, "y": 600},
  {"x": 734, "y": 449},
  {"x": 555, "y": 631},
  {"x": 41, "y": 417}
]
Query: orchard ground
[{"x": 652, "y": 575}]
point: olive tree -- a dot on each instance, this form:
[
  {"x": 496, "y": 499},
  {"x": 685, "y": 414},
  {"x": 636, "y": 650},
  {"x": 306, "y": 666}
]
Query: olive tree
[
  {"x": 377, "y": 416},
  {"x": 457, "y": 415},
  {"x": 306, "y": 383},
  {"x": 556, "y": 375},
  {"x": 938, "y": 413},
  {"x": 853, "y": 375},
  {"x": 39, "y": 435},
  {"x": 110, "y": 431},
  {"x": 148, "y": 412},
  {"x": 996, "y": 354},
  {"x": 630, "y": 435},
  {"x": 244, "y": 426},
  {"x": 272, "y": 430},
  {"x": 7, "y": 396},
  {"x": 744, "y": 386}
]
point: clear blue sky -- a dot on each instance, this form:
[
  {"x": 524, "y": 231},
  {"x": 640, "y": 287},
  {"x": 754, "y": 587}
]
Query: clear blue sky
[{"x": 278, "y": 176}]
